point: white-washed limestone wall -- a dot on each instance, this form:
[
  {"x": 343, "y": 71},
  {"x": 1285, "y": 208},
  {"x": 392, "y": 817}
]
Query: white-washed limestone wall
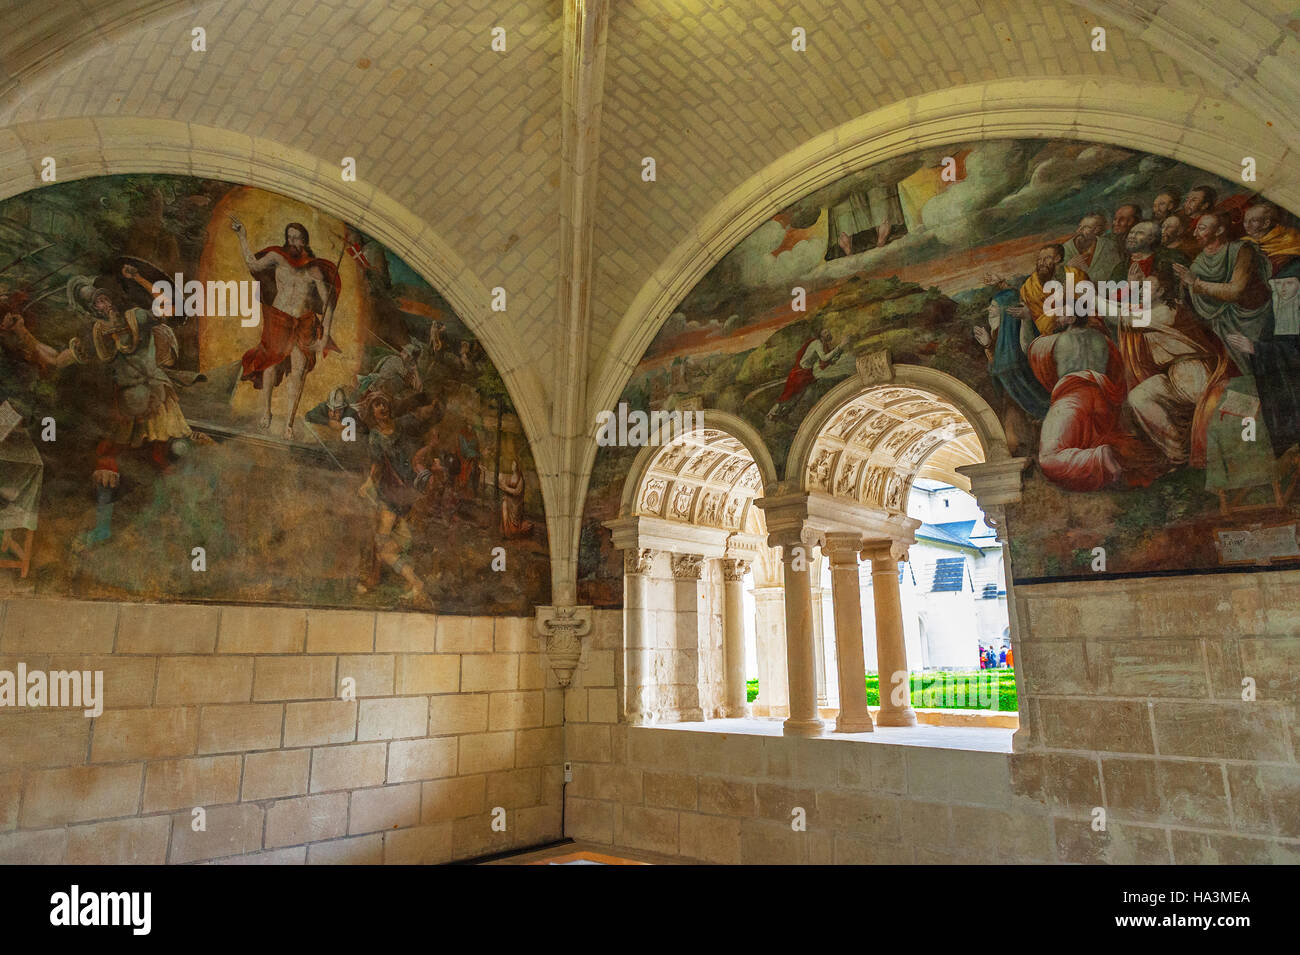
[{"x": 238, "y": 710}]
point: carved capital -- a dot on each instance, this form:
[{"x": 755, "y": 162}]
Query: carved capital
[
  {"x": 638, "y": 560},
  {"x": 842, "y": 549},
  {"x": 888, "y": 553},
  {"x": 735, "y": 569},
  {"x": 687, "y": 566},
  {"x": 563, "y": 629}
]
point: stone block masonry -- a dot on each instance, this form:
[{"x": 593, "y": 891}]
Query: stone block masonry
[
  {"x": 242, "y": 711},
  {"x": 1168, "y": 709}
]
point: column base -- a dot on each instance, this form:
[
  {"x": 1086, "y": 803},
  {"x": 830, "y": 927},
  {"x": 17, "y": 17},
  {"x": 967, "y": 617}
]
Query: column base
[
  {"x": 741, "y": 712},
  {"x": 905, "y": 717},
  {"x": 793, "y": 727},
  {"x": 854, "y": 726}
]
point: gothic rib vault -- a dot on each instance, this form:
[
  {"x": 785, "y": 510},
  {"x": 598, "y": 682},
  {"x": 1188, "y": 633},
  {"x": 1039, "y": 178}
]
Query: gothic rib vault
[{"x": 528, "y": 179}]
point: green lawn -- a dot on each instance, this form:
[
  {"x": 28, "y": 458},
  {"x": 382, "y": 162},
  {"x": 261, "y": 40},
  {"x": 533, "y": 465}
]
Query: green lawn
[{"x": 943, "y": 690}]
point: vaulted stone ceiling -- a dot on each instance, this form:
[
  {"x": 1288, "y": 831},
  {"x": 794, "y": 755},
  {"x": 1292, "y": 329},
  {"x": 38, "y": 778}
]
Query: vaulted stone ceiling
[
  {"x": 522, "y": 169},
  {"x": 704, "y": 477},
  {"x": 874, "y": 447}
]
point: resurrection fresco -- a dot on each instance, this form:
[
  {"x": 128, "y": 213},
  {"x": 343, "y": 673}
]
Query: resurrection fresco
[
  {"x": 1169, "y": 441},
  {"x": 332, "y": 436}
]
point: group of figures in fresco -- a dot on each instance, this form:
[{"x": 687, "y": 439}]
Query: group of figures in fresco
[
  {"x": 427, "y": 474},
  {"x": 1121, "y": 398},
  {"x": 1148, "y": 430}
]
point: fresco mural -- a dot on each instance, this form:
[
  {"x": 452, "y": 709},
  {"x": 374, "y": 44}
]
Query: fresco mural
[
  {"x": 332, "y": 435},
  {"x": 1169, "y": 441}
]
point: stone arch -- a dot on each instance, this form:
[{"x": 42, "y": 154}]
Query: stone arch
[
  {"x": 1186, "y": 127},
  {"x": 949, "y": 390},
  {"x": 107, "y": 146},
  {"x": 690, "y": 532},
  {"x": 723, "y": 421}
]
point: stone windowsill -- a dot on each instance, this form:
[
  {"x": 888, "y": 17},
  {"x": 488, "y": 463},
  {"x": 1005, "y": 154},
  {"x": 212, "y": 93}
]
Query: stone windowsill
[{"x": 973, "y": 738}]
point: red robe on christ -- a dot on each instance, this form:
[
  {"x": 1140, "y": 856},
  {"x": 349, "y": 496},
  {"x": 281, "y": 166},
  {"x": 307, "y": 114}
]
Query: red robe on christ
[{"x": 282, "y": 331}]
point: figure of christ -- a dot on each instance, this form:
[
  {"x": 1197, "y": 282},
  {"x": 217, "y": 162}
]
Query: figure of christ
[
  {"x": 1177, "y": 372},
  {"x": 1083, "y": 446},
  {"x": 299, "y": 293}
]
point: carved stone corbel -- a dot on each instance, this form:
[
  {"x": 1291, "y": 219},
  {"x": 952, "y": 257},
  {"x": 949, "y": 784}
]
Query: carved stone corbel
[
  {"x": 563, "y": 629},
  {"x": 995, "y": 517},
  {"x": 875, "y": 368}
]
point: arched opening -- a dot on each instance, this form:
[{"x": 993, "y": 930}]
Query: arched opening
[
  {"x": 955, "y": 596},
  {"x": 863, "y": 456},
  {"x": 692, "y": 540}
]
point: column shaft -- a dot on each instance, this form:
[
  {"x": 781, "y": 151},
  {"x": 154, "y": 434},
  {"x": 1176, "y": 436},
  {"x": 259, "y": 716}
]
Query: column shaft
[
  {"x": 846, "y": 600},
  {"x": 769, "y": 624},
  {"x": 800, "y": 656},
  {"x": 639, "y": 637},
  {"x": 891, "y": 651}
]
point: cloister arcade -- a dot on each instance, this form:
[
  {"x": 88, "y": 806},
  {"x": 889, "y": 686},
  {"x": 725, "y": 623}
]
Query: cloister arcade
[{"x": 705, "y": 510}]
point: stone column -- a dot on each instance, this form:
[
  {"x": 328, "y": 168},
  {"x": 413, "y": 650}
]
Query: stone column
[
  {"x": 801, "y": 658},
  {"x": 818, "y": 626},
  {"x": 684, "y": 704},
  {"x": 733, "y": 630},
  {"x": 891, "y": 651},
  {"x": 638, "y": 637},
  {"x": 846, "y": 597}
]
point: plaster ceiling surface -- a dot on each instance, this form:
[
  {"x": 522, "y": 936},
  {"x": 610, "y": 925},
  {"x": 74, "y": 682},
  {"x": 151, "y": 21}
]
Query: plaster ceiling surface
[{"x": 466, "y": 138}]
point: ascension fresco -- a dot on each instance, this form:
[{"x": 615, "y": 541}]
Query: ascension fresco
[
  {"x": 1169, "y": 440},
  {"x": 213, "y": 392}
]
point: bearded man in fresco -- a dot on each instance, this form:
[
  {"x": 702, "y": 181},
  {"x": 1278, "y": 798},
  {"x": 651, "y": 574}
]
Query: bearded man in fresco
[
  {"x": 1047, "y": 267},
  {"x": 811, "y": 363},
  {"x": 299, "y": 293},
  {"x": 139, "y": 353}
]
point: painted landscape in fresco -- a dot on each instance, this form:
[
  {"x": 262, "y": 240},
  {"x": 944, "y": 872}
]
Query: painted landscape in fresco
[
  {"x": 1134, "y": 434},
  {"x": 352, "y": 447}
]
